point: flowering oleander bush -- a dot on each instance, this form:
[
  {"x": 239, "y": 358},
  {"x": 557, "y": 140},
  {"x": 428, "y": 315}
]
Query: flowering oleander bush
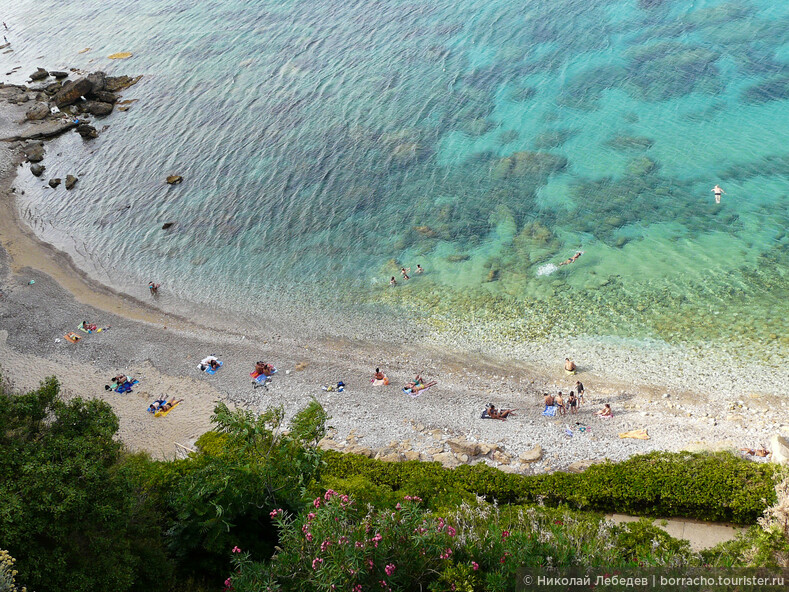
[{"x": 336, "y": 545}]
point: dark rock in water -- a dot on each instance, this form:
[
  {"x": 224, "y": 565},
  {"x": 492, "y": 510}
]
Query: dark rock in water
[
  {"x": 73, "y": 91},
  {"x": 773, "y": 89},
  {"x": 98, "y": 108},
  {"x": 526, "y": 163},
  {"x": 71, "y": 180},
  {"x": 53, "y": 88},
  {"x": 629, "y": 143},
  {"x": 54, "y": 182},
  {"x": 37, "y": 169},
  {"x": 58, "y": 74},
  {"x": 88, "y": 132},
  {"x": 167, "y": 225},
  {"x": 174, "y": 179},
  {"x": 118, "y": 83},
  {"x": 39, "y": 74},
  {"x": 104, "y": 96},
  {"x": 34, "y": 152},
  {"x": 37, "y": 111},
  {"x": 98, "y": 80}
]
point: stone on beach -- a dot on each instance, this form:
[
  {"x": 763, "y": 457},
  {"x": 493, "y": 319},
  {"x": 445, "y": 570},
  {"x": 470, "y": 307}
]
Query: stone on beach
[
  {"x": 71, "y": 180},
  {"x": 54, "y": 182},
  {"x": 73, "y": 91},
  {"x": 532, "y": 455},
  {"x": 37, "y": 169},
  {"x": 88, "y": 132},
  {"x": 58, "y": 74},
  {"x": 39, "y": 74},
  {"x": 98, "y": 108},
  {"x": 37, "y": 111},
  {"x": 779, "y": 447},
  {"x": 34, "y": 152}
]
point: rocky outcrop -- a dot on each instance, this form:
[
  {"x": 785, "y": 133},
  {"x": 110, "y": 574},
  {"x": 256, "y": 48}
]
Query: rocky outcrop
[
  {"x": 73, "y": 91},
  {"x": 463, "y": 446},
  {"x": 532, "y": 455},
  {"x": 581, "y": 465},
  {"x": 37, "y": 169},
  {"x": 58, "y": 74},
  {"x": 34, "y": 152},
  {"x": 37, "y": 111},
  {"x": 39, "y": 74},
  {"x": 54, "y": 182},
  {"x": 119, "y": 83},
  {"x": 779, "y": 447},
  {"x": 88, "y": 132},
  {"x": 97, "y": 81},
  {"x": 97, "y": 108},
  {"x": 71, "y": 180}
]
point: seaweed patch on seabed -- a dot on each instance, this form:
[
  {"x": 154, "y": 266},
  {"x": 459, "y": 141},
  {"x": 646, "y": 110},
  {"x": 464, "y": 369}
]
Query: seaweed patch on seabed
[
  {"x": 773, "y": 89},
  {"x": 553, "y": 138},
  {"x": 585, "y": 90}
]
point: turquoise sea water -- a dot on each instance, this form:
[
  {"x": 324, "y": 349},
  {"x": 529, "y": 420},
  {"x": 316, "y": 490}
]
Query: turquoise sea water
[{"x": 326, "y": 144}]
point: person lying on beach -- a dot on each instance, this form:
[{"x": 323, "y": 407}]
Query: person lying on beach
[
  {"x": 548, "y": 401},
  {"x": 605, "y": 412},
  {"x": 418, "y": 384},
  {"x": 170, "y": 405},
  {"x": 501, "y": 414},
  {"x": 156, "y": 405},
  {"x": 569, "y": 365},
  {"x": 571, "y": 259},
  {"x": 263, "y": 368},
  {"x": 89, "y": 326},
  {"x": 209, "y": 362},
  {"x": 121, "y": 379}
]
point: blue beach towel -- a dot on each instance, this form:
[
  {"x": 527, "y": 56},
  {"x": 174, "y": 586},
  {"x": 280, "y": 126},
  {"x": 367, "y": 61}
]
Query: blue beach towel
[
  {"x": 210, "y": 370},
  {"x": 550, "y": 411},
  {"x": 126, "y": 386}
]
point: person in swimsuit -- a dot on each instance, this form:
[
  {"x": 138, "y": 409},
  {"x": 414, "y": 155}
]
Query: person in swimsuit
[
  {"x": 418, "y": 384},
  {"x": 572, "y": 403},
  {"x": 580, "y": 388},
  {"x": 392, "y": 282},
  {"x": 499, "y": 413},
  {"x": 571, "y": 259},
  {"x": 419, "y": 268},
  {"x": 154, "y": 288},
  {"x": 548, "y": 401},
  {"x": 559, "y": 402},
  {"x": 378, "y": 374},
  {"x": 405, "y": 271},
  {"x": 170, "y": 405},
  {"x": 606, "y": 411},
  {"x": 718, "y": 192},
  {"x": 569, "y": 365}
]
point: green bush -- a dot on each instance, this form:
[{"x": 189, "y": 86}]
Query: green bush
[{"x": 704, "y": 486}]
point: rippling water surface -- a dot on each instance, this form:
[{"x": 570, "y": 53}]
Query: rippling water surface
[{"x": 325, "y": 145}]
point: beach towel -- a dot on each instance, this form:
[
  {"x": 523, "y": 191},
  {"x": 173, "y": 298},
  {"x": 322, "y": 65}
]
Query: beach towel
[
  {"x": 570, "y": 372},
  {"x": 72, "y": 337},
  {"x": 207, "y": 369},
  {"x": 383, "y": 382},
  {"x": 635, "y": 434},
  {"x": 125, "y": 387},
  {"x": 260, "y": 378},
  {"x": 568, "y": 431},
  {"x": 164, "y": 413},
  {"x": 486, "y": 415},
  {"x": 550, "y": 411}
]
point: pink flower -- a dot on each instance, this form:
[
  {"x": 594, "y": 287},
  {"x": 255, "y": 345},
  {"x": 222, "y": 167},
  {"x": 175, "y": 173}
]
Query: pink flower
[
  {"x": 325, "y": 545},
  {"x": 358, "y": 544},
  {"x": 275, "y": 513},
  {"x": 505, "y": 534},
  {"x": 228, "y": 582},
  {"x": 317, "y": 502},
  {"x": 316, "y": 563},
  {"x": 446, "y": 554},
  {"x": 308, "y": 536},
  {"x": 236, "y": 550},
  {"x": 370, "y": 564},
  {"x": 357, "y": 588},
  {"x": 329, "y": 493},
  {"x": 398, "y": 507},
  {"x": 389, "y": 569},
  {"x": 504, "y": 557},
  {"x": 475, "y": 565},
  {"x": 450, "y": 531},
  {"x": 310, "y": 516}
]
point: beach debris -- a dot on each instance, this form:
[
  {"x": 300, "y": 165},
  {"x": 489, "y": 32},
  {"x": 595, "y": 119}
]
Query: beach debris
[
  {"x": 120, "y": 55},
  {"x": 71, "y": 180},
  {"x": 174, "y": 179},
  {"x": 37, "y": 169},
  {"x": 54, "y": 182},
  {"x": 39, "y": 74},
  {"x": 37, "y": 111},
  {"x": 86, "y": 50},
  {"x": 31, "y": 282},
  {"x": 88, "y": 132},
  {"x": 167, "y": 225}
]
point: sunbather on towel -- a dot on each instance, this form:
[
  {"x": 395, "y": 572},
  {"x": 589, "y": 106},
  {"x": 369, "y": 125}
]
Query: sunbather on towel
[
  {"x": 89, "y": 326},
  {"x": 209, "y": 362},
  {"x": 499, "y": 413},
  {"x": 605, "y": 412},
  {"x": 156, "y": 405},
  {"x": 548, "y": 401},
  {"x": 418, "y": 384},
  {"x": 169, "y": 405}
]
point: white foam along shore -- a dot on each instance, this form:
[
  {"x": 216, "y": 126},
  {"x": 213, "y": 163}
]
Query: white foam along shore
[{"x": 682, "y": 398}]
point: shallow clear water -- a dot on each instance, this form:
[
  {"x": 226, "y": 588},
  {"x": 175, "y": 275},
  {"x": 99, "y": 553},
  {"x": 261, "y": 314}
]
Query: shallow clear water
[{"x": 326, "y": 144}]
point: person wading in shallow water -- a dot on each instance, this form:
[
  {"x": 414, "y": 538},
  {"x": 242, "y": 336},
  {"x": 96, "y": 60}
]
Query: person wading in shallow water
[{"x": 154, "y": 288}]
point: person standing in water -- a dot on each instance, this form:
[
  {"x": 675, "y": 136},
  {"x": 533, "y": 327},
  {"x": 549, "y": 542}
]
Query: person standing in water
[
  {"x": 154, "y": 288},
  {"x": 718, "y": 192}
]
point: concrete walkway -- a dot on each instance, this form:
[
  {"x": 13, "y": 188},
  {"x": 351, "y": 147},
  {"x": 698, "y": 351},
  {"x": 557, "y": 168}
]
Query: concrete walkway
[{"x": 701, "y": 535}]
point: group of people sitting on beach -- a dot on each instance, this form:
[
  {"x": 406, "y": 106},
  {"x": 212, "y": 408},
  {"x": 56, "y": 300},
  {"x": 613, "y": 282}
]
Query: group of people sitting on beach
[
  {"x": 404, "y": 272},
  {"x": 412, "y": 387}
]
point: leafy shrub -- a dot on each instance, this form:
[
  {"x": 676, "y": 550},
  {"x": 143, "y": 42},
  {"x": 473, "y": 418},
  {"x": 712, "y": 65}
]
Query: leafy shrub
[{"x": 704, "y": 486}]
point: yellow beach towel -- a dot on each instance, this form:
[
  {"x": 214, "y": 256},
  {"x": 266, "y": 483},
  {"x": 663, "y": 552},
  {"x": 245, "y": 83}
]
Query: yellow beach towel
[
  {"x": 164, "y": 413},
  {"x": 637, "y": 434}
]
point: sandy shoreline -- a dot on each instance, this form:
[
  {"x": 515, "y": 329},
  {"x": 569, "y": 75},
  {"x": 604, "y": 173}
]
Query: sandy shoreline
[{"x": 701, "y": 407}]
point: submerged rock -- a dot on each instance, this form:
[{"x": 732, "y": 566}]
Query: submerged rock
[
  {"x": 58, "y": 74},
  {"x": 88, "y": 132},
  {"x": 167, "y": 225},
  {"x": 118, "y": 83},
  {"x": 104, "y": 96},
  {"x": 71, "y": 180},
  {"x": 174, "y": 179}
]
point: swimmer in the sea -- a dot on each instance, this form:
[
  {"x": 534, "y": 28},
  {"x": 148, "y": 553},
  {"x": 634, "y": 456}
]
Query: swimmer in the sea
[
  {"x": 571, "y": 259},
  {"x": 392, "y": 282},
  {"x": 405, "y": 271},
  {"x": 419, "y": 268},
  {"x": 718, "y": 192}
]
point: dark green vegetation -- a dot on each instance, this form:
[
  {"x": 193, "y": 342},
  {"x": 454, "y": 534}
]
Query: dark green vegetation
[{"x": 80, "y": 513}]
